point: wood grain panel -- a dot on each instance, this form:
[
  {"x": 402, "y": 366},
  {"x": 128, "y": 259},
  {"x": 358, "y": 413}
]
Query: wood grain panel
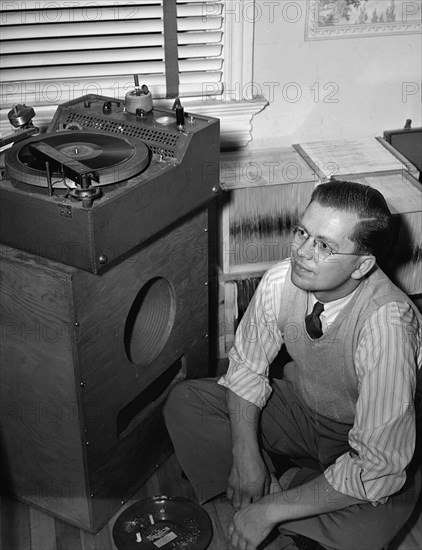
[
  {"x": 102, "y": 310},
  {"x": 43, "y": 530},
  {"x": 67, "y": 374},
  {"x": 41, "y": 434},
  {"x": 261, "y": 168},
  {"x": 402, "y": 192},
  {"x": 16, "y": 532},
  {"x": 67, "y": 536},
  {"x": 334, "y": 158}
]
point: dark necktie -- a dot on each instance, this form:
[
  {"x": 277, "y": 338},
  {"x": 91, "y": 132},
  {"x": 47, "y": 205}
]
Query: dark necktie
[{"x": 313, "y": 322}]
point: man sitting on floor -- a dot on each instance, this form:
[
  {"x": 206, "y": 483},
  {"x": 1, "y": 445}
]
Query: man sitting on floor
[{"x": 343, "y": 411}]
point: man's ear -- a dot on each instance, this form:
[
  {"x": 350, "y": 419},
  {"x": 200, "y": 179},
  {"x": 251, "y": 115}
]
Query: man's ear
[{"x": 366, "y": 263}]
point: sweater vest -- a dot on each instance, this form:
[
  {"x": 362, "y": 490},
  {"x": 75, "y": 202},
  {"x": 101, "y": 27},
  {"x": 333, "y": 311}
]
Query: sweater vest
[{"x": 322, "y": 371}]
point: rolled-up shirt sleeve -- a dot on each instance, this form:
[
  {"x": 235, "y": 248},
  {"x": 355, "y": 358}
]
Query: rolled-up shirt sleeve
[
  {"x": 382, "y": 439},
  {"x": 258, "y": 340}
]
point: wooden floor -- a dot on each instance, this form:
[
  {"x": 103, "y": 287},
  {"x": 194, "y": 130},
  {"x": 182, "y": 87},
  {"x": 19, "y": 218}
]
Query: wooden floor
[{"x": 26, "y": 528}]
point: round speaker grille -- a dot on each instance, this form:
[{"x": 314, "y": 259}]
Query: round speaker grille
[{"x": 150, "y": 321}]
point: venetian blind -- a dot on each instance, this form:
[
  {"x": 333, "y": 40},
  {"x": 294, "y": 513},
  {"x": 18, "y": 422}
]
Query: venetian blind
[{"x": 54, "y": 51}]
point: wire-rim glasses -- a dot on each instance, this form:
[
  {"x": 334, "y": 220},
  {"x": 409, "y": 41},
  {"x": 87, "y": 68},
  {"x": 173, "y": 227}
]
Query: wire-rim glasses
[{"x": 322, "y": 248}]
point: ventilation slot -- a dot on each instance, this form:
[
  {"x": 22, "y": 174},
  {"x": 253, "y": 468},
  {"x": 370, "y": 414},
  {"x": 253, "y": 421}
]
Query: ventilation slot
[
  {"x": 150, "y": 400},
  {"x": 159, "y": 141}
]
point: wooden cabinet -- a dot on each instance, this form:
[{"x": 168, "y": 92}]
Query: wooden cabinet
[{"x": 86, "y": 363}]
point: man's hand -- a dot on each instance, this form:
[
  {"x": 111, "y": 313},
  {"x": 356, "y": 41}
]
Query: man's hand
[
  {"x": 250, "y": 526},
  {"x": 249, "y": 479}
]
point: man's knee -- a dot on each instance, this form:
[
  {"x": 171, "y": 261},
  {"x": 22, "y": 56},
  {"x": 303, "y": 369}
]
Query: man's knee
[
  {"x": 187, "y": 398},
  {"x": 196, "y": 402},
  {"x": 176, "y": 401}
]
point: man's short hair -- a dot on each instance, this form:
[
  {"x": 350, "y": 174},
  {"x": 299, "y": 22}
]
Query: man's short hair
[{"x": 373, "y": 233}]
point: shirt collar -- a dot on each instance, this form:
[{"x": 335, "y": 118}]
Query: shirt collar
[{"x": 331, "y": 307}]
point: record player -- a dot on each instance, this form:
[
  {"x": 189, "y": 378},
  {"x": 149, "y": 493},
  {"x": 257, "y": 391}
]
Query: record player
[
  {"x": 102, "y": 180},
  {"x": 103, "y": 298}
]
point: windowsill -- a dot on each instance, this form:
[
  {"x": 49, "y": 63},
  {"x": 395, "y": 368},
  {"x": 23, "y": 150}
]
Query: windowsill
[{"x": 235, "y": 117}]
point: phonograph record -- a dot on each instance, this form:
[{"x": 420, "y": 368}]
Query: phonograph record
[
  {"x": 103, "y": 296},
  {"x": 105, "y": 177}
]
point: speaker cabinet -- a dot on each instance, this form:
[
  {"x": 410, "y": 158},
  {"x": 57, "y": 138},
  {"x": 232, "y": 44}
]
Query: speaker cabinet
[{"x": 86, "y": 363}]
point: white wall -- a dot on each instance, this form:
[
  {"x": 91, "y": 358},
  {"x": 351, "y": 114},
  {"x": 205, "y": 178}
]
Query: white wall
[{"x": 333, "y": 88}]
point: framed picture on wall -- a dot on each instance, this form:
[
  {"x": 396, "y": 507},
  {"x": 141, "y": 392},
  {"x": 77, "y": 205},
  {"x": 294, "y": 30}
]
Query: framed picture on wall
[{"x": 357, "y": 18}]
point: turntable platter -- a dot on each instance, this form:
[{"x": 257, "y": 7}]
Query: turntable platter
[{"x": 113, "y": 158}]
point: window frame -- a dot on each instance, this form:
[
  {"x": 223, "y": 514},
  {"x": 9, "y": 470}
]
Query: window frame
[{"x": 235, "y": 105}]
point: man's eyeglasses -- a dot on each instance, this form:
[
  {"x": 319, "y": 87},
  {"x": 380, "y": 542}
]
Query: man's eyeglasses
[{"x": 322, "y": 249}]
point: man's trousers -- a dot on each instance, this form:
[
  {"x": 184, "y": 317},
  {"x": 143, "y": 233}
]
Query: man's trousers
[{"x": 198, "y": 422}]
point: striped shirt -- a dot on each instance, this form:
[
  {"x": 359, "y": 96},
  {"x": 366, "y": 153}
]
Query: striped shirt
[{"x": 386, "y": 361}]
